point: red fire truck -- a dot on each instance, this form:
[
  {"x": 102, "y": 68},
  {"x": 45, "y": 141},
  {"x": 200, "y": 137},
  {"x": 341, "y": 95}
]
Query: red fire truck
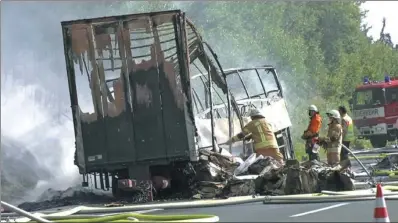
[{"x": 375, "y": 110}]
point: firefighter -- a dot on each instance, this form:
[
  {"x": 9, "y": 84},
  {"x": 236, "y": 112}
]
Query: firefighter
[
  {"x": 332, "y": 142},
  {"x": 348, "y": 134},
  {"x": 262, "y": 135},
  {"x": 311, "y": 134}
]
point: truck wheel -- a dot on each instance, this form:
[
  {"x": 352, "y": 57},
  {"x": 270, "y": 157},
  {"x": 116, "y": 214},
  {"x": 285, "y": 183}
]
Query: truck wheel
[{"x": 378, "y": 141}]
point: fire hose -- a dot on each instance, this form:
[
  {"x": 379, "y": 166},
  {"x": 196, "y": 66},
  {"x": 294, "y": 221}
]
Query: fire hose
[
  {"x": 360, "y": 163},
  {"x": 324, "y": 197},
  {"x": 124, "y": 215},
  {"x": 67, "y": 216},
  {"x": 22, "y": 212},
  {"x": 135, "y": 217}
]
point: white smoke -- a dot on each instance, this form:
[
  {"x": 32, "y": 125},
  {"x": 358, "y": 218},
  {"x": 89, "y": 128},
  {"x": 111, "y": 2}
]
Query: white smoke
[
  {"x": 34, "y": 96},
  {"x": 34, "y": 89},
  {"x": 44, "y": 130}
]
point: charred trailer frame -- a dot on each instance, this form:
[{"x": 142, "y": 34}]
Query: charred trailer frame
[{"x": 133, "y": 117}]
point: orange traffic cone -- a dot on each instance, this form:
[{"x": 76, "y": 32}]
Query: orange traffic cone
[{"x": 380, "y": 213}]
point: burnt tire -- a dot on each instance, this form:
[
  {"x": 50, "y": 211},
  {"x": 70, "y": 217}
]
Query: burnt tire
[{"x": 378, "y": 141}]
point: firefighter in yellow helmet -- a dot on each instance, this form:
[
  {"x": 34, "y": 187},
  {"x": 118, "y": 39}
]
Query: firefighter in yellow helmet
[
  {"x": 332, "y": 142},
  {"x": 263, "y": 136}
]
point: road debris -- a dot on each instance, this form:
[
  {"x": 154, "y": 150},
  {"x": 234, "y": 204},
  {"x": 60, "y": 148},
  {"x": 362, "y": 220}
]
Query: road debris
[
  {"x": 389, "y": 162},
  {"x": 266, "y": 176},
  {"x": 220, "y": 175},
  {"x": 114, "y": 204}
]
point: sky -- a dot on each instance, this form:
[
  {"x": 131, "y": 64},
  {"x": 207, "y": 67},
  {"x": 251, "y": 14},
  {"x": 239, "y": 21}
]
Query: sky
[{"x": 378, "y": 10}]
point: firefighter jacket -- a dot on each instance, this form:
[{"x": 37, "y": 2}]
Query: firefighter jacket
[
  {"x": 348, "y": 128},
  {"x": 334, "y": 138},
  {"x": 261, "y": 133},
  {"x": 313, "y": 128}
]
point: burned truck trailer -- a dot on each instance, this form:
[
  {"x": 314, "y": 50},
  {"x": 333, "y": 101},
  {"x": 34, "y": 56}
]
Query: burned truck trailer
[{"x": 132, "y": 100}]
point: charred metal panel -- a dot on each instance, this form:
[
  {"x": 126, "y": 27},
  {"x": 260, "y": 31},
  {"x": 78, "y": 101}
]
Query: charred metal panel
[
  {"x": 121, "y": 146},
  {"x": 69, "y": 57},
  {"x": 145, "y": 92},
  {"x": 202, "y": 106},
  {"x": 159, "y": 100},
  {"x": 257, "y": 87},
  {"x": 172, "y": 77},
  {"x": 94, "y": 142},
  {"x": 138, "y": 87},
  {"x": 186, "y": 36},
  {"x": 265, "y": 93}
]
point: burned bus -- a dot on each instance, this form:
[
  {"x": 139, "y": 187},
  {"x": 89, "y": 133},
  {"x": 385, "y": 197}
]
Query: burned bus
[
  {"x": 256, "y": 87},
  {"x": 135, "y": 101}
]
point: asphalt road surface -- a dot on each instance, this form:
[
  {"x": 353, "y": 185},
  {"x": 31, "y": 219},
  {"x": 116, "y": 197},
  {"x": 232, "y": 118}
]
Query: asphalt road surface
[{"x": 358, "y": 211}]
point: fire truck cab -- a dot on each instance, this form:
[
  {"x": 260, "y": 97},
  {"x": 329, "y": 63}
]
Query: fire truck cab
[{"x": 375, "y": 110}]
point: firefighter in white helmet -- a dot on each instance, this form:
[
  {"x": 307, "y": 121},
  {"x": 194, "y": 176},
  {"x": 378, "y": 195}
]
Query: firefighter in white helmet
[
  {"x": 311, "y": 134},
  {"x": 332, "y": 142},
  {"x": 260, "y": 131}
]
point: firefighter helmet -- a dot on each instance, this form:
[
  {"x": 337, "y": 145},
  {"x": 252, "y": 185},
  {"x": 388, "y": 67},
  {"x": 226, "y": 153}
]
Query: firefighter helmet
[
  {"x": 334, "y": 114},
  {"x": 255, "y": 112},
  {"x": 313, "y": 108}
]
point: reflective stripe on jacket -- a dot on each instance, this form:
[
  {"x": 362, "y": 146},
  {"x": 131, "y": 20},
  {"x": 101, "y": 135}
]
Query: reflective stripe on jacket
[
  {"x": 334, "y": 138},
  {"x": 348, "y": 129},
  {"x": 262, "y": 134}
]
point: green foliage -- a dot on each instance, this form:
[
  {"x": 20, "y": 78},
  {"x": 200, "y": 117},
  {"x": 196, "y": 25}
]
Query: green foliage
[
  {"x": 319, "y": 48},
  {"x": 361, "y": 144}
]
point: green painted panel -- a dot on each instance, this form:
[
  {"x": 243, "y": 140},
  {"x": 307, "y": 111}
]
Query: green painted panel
[
  {"x": 94, "y": 142},
  {"x": 120, "y": 139},
  {"x": 147, "y": 115}
]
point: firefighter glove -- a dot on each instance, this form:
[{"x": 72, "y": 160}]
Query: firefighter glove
[{"x": 322, "y": 140}]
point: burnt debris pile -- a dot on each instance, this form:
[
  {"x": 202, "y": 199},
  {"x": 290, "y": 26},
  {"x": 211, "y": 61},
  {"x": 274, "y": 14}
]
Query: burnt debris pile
[
  {"x": 389, "y": 162},
  {"x": 221, "y": 175},
  {"x": 72, "y": 196},
  {"x": 79, "y": 196}
]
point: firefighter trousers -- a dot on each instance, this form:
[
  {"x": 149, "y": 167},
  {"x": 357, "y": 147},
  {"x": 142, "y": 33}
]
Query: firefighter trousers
[
  {"x": 333, "y": 158},
  {"x": 308, "y": 150},
  {"x": 272, "y": 152},
  {"x": 344, "y": 154},
  {"x": 313, "y": 156}
]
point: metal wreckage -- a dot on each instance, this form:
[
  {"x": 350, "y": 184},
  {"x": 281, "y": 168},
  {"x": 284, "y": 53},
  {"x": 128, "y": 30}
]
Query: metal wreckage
[{"x": 151, "y": 104}]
